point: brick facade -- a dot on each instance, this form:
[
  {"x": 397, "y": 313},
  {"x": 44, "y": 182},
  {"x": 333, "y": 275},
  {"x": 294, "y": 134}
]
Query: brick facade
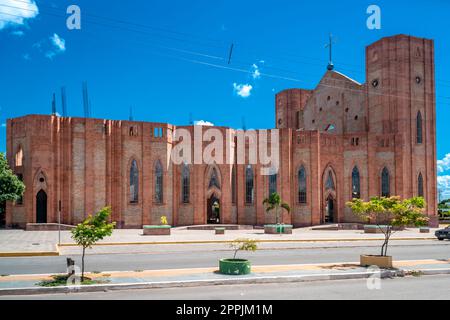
[{"x": 84, "y": 164}]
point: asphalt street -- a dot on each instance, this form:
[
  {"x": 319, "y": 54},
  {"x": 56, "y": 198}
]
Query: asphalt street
[
  {"x": 409, "y": 288},
  {"x": 189, "y": 256}
]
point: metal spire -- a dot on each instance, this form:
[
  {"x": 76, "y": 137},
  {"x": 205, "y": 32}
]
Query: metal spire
[
  {"x": 131, "y": 113},
  {"x": 64, "y": 101},
  {"x": 54, "y": 105},
  {"x": 330, "y": 66}
]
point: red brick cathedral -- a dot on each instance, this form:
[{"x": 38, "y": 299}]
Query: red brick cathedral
[{"x": 339, "y": 141}]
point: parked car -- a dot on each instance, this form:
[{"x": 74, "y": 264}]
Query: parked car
[{"x": 443, "y": 234}]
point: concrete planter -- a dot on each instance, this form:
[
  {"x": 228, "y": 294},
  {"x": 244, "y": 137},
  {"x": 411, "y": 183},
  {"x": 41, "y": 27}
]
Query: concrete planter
[
  {"x": 278, "y": 229},
  {"x": 424, "y": 230},
  {"x": 220, "y": 231},
  {"x": 157, "y": 230},
  {"x": 234, "y": 267},
  {"x": 379, "y": 261},
  {"x": 375, "y": 229}
]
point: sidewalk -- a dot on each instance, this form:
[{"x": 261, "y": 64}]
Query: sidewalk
[
  {"x": 26, "y": 284},
  {"x": 23, "y": 243}
]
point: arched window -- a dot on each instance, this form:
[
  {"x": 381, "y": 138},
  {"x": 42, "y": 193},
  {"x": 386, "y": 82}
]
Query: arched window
[
  {"x": 420, "y": 185},
  {"x": 134, "y": 182},
  {"x": 158, "y": 182},
  {"x": 214, "y": 180},
  {"x": 185, "y": 183},
  {"x": 272, "y": 184},
  {"x": 249, "y": 185},
  {"x": 19, "y": 157},
  {"x": 419, "y": 128},
  {"x": 356, "y": 185},
  {"x": 233, "y": 184},
  {"x": 302, "y": 185},
  {"x": 385, "y": 183},
  {"x": 329, "y": 185}
]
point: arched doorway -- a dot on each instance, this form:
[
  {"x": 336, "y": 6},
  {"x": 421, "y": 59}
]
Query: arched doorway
[
  {"x": 41, "y": 207},
  {"x": 213, "y": 210},
  {"x": 330, "y": 210}
]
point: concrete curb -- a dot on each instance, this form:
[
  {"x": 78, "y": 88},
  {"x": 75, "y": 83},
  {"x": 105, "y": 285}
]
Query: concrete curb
[
  {"x": 229, "y": 241},
  {"x": 197, "y": 283},
  {"x": 28, "y": 254},
  {"x": 31, "y": 253}
]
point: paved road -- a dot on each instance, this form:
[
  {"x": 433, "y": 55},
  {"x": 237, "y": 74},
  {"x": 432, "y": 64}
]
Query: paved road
[
  {"x": 410, "y": 288},
  {"x": 188, "y": 258}
]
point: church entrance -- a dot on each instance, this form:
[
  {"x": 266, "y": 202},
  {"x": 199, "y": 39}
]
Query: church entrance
[
  {"x": 213, "y": 210},
  {"x": 41, "y": 207},
  {"x": 330, "y": 210}
]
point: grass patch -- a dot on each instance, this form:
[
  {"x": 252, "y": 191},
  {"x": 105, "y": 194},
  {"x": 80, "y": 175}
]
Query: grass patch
[
  {"x": 415, "y": 273},
  {"x": 61, "y": 280},
  {"x": 4, "y": 275}
]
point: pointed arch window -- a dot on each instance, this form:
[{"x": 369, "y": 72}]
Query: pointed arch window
[
  {"x": 420, "y": 185},
  {"x": 273, "y": 184},
  {"x": 19, "y": 157},
  {"x": 385, "y": 183},
  {"x": 302, "y": 185},
  {"x": 185, "y": 183},
  {"x": 356, "y": 184},
  {"x": 214, "y": 180},
  {"x": 249, "y": 185},
  {"x": 134, "y": 182},
  {"x": 159, "y": 182},
  {"x": 419, "y": 128},
  {"x": 329, "y": 185}
]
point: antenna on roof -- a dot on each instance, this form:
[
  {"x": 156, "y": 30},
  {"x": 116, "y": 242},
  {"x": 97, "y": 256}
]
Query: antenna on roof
[
  {"x": 86, "y": 101},
  {"x": 64, "y": 101},
  {"x": 244, "y": 126},
  {"x": 191, "y": 122},
  {"x": 131, "y": 113},
  {"x": 54, "y": 105}
]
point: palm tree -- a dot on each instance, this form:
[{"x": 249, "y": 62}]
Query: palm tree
[{"x": 274, "y": 203}]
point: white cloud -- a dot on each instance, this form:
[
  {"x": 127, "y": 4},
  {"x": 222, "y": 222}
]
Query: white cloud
[
  {"x": 203, "y": 123},
  {"x": 444, "y": 186},
  {"x": 243, "y": 90},
  {"x": 444, "y": 164},
  {"x": 59, "y": 42},
  {"x": 18, "y": 33},
  {"x": 256, "y": 73},
  {"x": 15, "y": 13},
  {"x": 3, "y": 125},
  {"x": 58, "y": 46},
  {"x": 26, "y": 56}
]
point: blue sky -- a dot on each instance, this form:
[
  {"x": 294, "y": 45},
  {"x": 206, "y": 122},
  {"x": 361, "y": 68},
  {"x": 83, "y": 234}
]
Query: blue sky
[{"x": 168, "y": 58}]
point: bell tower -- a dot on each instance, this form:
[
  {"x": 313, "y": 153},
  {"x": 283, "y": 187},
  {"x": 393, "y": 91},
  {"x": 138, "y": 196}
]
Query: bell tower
[{"x": 400, "y": 89}]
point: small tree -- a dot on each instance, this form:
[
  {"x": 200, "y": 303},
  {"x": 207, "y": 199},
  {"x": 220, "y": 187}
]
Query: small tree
[
  {"x": 91, "y": 230},
  {"x": 274, "y": 203},
  {"x": 11, "y": 188},
  {"x": 387, "y": 213},
  {"x": 243, "y": 245}
]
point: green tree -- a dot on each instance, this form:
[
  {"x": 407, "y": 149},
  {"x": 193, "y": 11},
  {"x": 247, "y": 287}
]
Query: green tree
[
  {"x": 91, "y": 230},
  {"x": 387, "y": 213},
  {"x": 243, "y": 245},
  {"x": 274, "y": 203},
  {"x": 11, "y": 188}
]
